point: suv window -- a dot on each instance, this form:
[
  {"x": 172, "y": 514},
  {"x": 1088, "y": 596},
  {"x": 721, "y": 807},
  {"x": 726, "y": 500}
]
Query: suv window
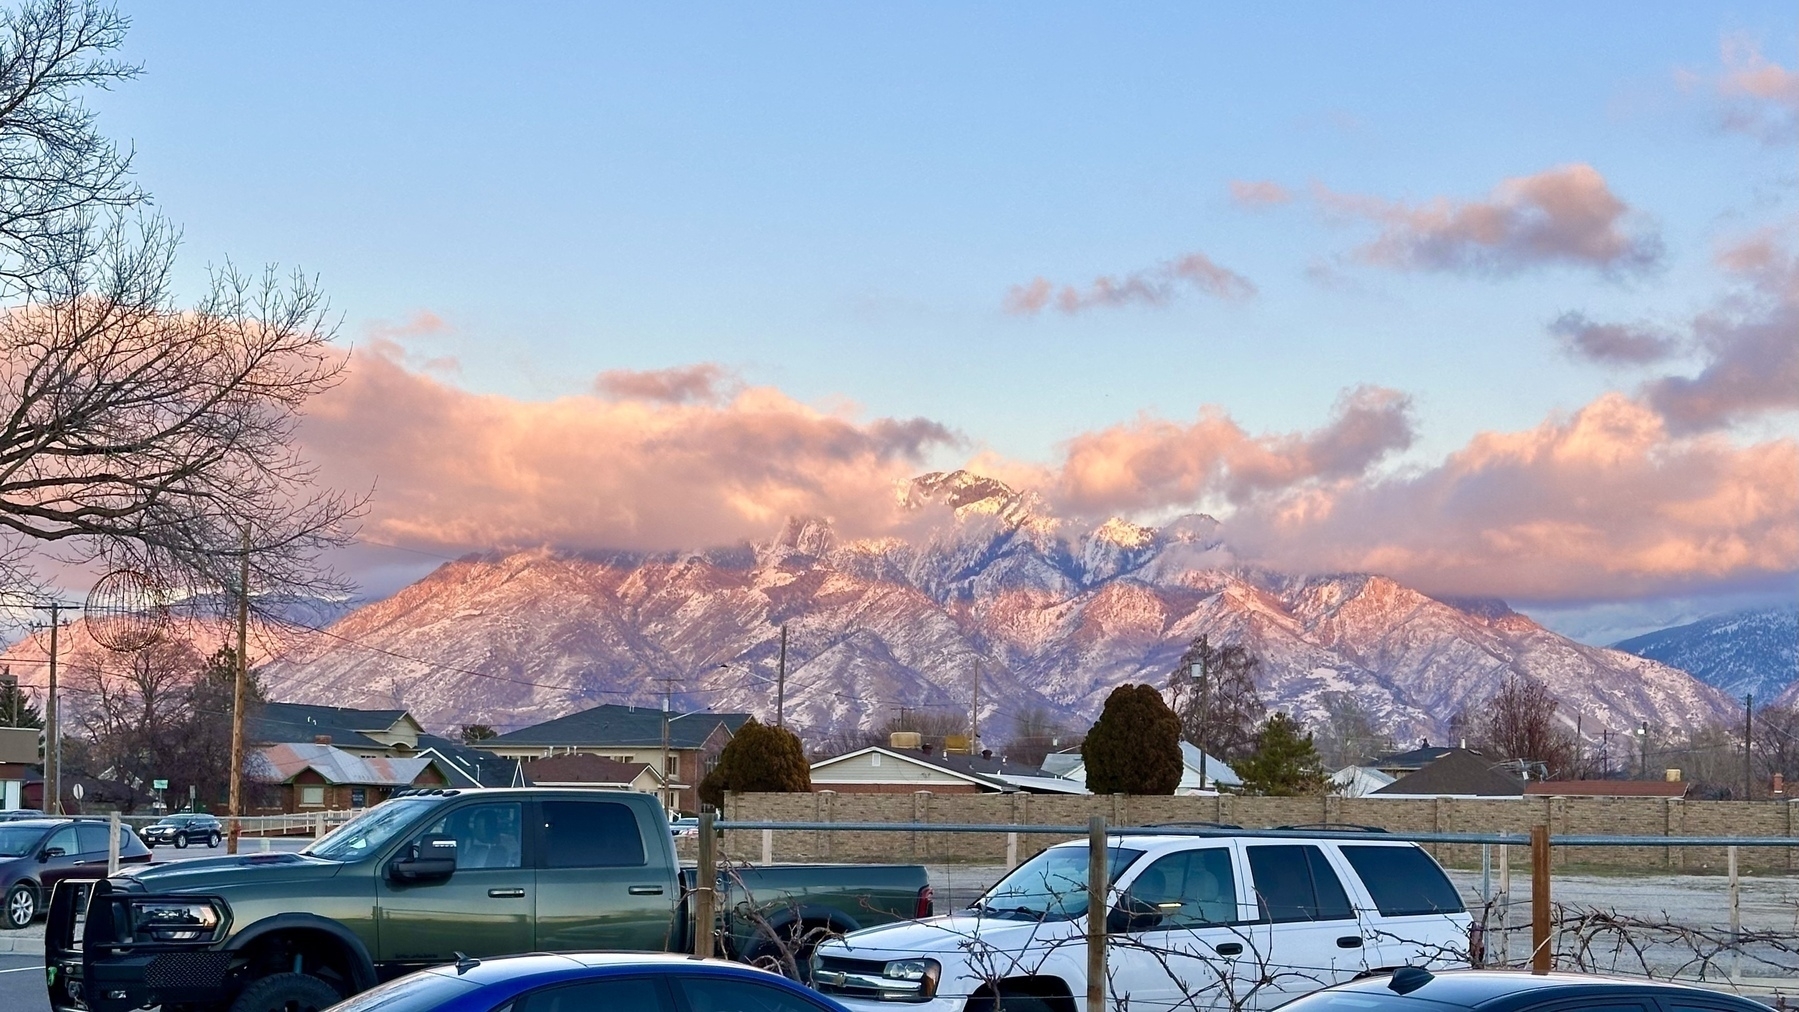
[
  {"x": 1190, "y": 889},
  {"x": 1296, "y": 883},
  {"x": 64, "y": 840},
  {"x": 487, "y": 835},
  {"x": 590, "y": 834},
  {"x": 92, "y": 837},
  {"x": 1403, "y": 880}
]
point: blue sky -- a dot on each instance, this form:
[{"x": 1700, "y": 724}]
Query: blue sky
[{"x": 835, "y": 200}]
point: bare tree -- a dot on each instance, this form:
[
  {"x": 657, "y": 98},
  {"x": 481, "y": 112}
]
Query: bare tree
[
  {"x": 1519, "y": 723},
  {"x": 133, "y": 431},
  {"x": 1348, "y": 735},
  {"x": 1213, "y": 690},
  {"x": 1036, "y": 732}
]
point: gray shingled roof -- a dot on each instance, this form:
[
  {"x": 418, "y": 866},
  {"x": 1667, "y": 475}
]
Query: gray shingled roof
[
  {"x": 279, "y": 723},
  {"x": 1459, "y": 773},
  {"x": 611, "y": 725}
]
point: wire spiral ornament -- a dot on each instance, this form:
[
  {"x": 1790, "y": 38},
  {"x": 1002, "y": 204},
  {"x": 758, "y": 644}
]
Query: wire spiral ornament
[{"x": 127, "y": 610}]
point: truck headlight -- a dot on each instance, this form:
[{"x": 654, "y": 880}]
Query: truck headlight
[
  {"x": 175, "y": 920},
  {"x": 920, "y": 974}
]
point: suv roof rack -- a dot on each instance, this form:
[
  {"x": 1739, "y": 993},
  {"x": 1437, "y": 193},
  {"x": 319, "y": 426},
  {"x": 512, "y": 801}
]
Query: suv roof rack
[
  {"x": 1193, "y": 825},
  {"x": 1335, "y": 827}
]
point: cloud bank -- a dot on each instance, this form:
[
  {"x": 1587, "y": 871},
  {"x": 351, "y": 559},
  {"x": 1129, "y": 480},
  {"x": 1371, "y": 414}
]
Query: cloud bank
[{"x": 1156, "y": 286}]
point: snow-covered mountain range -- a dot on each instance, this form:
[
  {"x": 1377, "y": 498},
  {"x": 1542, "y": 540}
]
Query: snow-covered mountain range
[
  {"x": 1049, "y": 614},
  {"x": 1745, "y": 651}
]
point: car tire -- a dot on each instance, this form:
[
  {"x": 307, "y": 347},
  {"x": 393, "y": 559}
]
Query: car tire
[
  {"x": 21, "y": 907},
  {"x": 1011, "y": 1003},
  {"x": 287, "y": 992},
  {"x": 180, "y": 841},
  {"x": 213, "y": 840}
]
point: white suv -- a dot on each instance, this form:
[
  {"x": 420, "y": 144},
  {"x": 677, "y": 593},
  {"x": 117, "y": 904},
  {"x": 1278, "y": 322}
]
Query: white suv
[{"x": 1193, "y": 922}]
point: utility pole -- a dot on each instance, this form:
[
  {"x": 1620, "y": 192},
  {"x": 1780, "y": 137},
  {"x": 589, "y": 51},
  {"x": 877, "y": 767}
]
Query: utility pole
[
  {"x": 974, "y": 715},
  {"x": 662, "y": 771},
  {"x": 1748, "y": 738},
  {"x": 1643, "y": 750},
  {"x": 781, "y": 683},
  {"x": 1205, "y": 705},
  {"x": 52, "y": 725},
  {"x": 242, "y": 675}
]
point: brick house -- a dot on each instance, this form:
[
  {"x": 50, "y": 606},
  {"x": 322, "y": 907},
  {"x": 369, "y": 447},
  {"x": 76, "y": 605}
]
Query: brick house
[{"x": 305, "y": 777}]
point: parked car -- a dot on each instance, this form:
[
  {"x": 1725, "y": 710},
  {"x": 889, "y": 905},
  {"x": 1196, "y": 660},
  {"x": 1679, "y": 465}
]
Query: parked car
[
  {"x": 35, "y": 854},
  {"x": 587, "y": 981},
  {"x": 182, "y": 829},
  {"x": 1196, "y": 920},
  {"x": 15, "y": 814},
  {"x": 424, "y": 877},
  {"x": 1413, "y": 989},
  {"x": 685, "y": 827}
]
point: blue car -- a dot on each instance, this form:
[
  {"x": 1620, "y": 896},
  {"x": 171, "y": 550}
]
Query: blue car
[{"x": 591, "y": 982}]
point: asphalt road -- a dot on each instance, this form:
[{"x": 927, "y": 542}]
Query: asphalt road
[{"x": 22, "y": 983}]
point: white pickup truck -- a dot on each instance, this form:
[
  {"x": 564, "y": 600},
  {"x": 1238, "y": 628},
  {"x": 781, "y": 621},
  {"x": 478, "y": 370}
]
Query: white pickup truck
[{"x": 1193, "y": 922}]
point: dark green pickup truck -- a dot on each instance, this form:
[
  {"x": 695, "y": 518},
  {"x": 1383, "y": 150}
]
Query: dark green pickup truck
[{"x": 421, "y": 880}]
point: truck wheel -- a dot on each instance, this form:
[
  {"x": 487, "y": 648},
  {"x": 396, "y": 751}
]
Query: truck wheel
[
  {"x": 21, "y": 907},
  {"x": 287, "y": 992},
  {"x": 180, "y": 841}
]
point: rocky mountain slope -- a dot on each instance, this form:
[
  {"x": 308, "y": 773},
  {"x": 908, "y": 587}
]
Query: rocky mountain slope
[
  {"x": 1050, "y": 615},
  {"x": 1746, "y": 651}
]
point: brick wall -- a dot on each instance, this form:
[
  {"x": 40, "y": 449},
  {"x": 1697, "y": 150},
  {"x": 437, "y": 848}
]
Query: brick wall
[{"x": 1563, "y": 816}]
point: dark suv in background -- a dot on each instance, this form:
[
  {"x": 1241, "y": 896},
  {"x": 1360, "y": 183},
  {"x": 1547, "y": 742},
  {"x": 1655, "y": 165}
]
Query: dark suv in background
[
  {"x": 35, "y": 854},
  {"x": 182, "y": 829}
]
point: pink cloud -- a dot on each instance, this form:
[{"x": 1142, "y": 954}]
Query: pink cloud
[
  {"x": 1607, "y": 503},
  {"x": 1259, "y": 193},
  {"x": 1612, "y": 343},
  {"x": 1563, "y": 215},
  {"x": 1156, "y": 286},
  {"x": 1760, "y": 97},
  {"x": 1152, "y": 463},
  {"x": 703, "y": 383},
  {"x": 456, "y": 470}
]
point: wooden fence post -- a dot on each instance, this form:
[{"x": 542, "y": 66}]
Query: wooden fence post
[
  {"x": 1539, "y": 900},
  {"x": 705, "y": 878}
]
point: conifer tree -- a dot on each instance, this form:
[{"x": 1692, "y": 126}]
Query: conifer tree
[
  {"x": 758, "y": 758},
  {"x": 1135, "y": 746},
  {"x": 1285, "y": 763}
]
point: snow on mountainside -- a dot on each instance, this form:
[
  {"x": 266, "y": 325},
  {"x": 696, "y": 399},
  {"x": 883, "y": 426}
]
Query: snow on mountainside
[
  {"x": 1053, "y": 614},
  {"x": 1746, "y": 651}
]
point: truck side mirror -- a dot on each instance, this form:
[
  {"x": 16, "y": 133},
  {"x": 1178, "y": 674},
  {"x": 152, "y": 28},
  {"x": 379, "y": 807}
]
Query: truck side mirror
[{"x": 431, "y": 859}]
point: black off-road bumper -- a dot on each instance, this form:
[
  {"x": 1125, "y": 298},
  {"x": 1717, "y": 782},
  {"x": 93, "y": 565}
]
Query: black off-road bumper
[{"x": 89, "y": 969}]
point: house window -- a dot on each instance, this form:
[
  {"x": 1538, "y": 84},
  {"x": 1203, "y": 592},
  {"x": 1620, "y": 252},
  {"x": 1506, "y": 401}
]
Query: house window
[
  {"x": 674, "y": 767},
  {"x": 711, "y": 762},
  {"x": 312, "y": 797},
  {"x": 359, "y": 797}
]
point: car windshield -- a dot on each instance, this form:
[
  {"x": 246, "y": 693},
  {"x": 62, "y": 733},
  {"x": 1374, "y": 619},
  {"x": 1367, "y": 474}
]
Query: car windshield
[
  {"x": 1051, "y": 886},
  {"x": 17, "y": 841},
  {"x": 366, "y": 833},
  {"x": 174, "y": 820}
]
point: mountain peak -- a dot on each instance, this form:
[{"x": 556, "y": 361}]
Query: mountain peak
[{"x": 958, "y": 489}]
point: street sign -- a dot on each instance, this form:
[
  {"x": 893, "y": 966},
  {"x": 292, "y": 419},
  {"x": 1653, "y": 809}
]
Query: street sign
[{"x": 159, "y": 785}]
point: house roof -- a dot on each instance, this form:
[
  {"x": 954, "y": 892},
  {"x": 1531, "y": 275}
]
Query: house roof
[
  {"x": 281, "y": 763},
  {"x": 1218, "y": 772},
  {"x": 275, "y": 723},
  {"x": 981, "y": 772},
  {"x": 1360, "y": 781},
  {"x": 1608, "y": 788},
  {"x": 1415, "y": 759},
  {"x": 610, "y": 725},
  {"x": 583, "y": 768},
  {"x": 1459, "y": 773},
  {"x": 471, "y": 767}
]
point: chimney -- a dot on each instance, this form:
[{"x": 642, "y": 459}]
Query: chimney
[
  {"x": 986, "y": 753},
  {"x": 321, "y": 739},
  {"x": 925, "y": 748},
  {"x": 1780, "y": 784}
]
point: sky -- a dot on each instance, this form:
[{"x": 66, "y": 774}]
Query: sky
[{"x": 1498, "y": 299}]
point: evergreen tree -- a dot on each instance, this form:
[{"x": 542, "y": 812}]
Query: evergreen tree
[
  {"x": 475, "y": 734},
  {"x": 1285, "y": 763},
  {"x": 1135, "y": 746},
  {"x": 759, "y": 758},
  {"x": 1213, "y": 690},
  {"x": 17, "y": 709}
]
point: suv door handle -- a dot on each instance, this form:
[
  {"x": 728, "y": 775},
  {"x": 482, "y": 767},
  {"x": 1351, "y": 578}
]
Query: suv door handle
[
  {"x": 645, "y": 890},
  {"x": 506, "y": 894},
  {"x": 1229, "y": 949},
  {"x": 1349, "y": 942}
]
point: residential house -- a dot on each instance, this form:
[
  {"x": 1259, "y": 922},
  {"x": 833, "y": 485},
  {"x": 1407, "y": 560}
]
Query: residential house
[
  {"x": 633, "y": 734},
  {"x": 1401, "y": 764},
  {"x": 315, "y": 777},
  {"x": 579, "y": 769},
  {"x": 888, "y": 770},
  {"x": 1457, "y": 773},
  {"x": 18, "y": 761},
  {"x": 1359, "y": 781},
  {"x": 380, "y": 734},
  {"x": 1201, "y": 774}
]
